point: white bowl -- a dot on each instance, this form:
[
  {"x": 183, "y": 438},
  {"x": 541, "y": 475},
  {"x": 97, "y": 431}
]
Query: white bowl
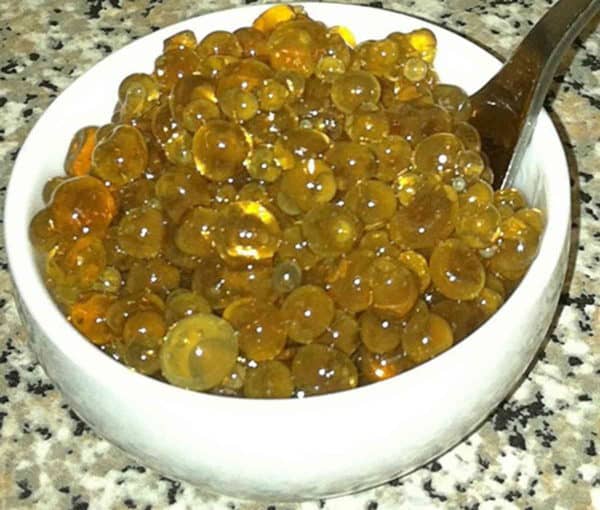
[{"x": 287, "y": 449}]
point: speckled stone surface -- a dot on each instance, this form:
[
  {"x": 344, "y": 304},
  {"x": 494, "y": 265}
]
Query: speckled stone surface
[{"x": 540, "y": 449}]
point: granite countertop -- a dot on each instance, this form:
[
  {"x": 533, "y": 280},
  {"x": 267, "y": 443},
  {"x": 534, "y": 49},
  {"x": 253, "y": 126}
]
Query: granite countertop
[{"x": 540, "y": 449}]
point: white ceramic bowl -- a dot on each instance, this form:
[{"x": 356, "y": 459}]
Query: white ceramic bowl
[{"x": 287, "y": 449}]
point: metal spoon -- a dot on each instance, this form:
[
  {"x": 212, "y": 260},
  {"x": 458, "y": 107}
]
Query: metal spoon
[{"x": 506, "y": 108}]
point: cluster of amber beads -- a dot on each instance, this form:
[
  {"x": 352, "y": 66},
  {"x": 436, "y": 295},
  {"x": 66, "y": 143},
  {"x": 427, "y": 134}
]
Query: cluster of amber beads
[{"x": 279, "y": 212}]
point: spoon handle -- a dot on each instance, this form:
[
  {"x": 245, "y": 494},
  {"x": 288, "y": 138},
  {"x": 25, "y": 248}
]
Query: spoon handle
[{"x": 507, "y": 107}]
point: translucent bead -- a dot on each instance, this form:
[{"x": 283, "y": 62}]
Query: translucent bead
[
  {"x": 454, "y": 100},
  {"x": 294, "y": 247},
  {"x": 478, "y": 225},
  {"x": 294, "y": 82},
  {"x": 287, "y": 276},
  {"x": 183, "y": 39},
  {"x": 74, "y": 268},
  {"x": 350, "y": 163},
  {"x": 142, "y": 335},
  {"x": 489, "y": 301},
  {"x": 155, "y": 275},
  {"x": 196, "y": 113},
  {"x": 137, "y": 93},
  {"x": 372, "y": 201},
  {"x": 517, "y": 247},
  {"x": 263, "y": 165},
  {"x": 141, "y": 232},
  {"x": 273, "y": 95},
  {"x": 395, "y": 287},
  {"x": 198, "y": 352},
  {"x": 373, "y": 367},
  {"x": 82, "y": 205},
  {"x": 415, "y": 123},
  {"x": 188, "y": 89},
  {"x": 318, "y": 369},
  {"x": 42, "y": 231},
  {"x": 417, "y": 263},
  {"x": 308, "y": 311},
  {"x": 329, "y": 68},
  {"x": 195, "y": 234},
  {"x": 246, "y": 231},
  {"x": 424, "y": 42},
  {"x": 253, "y": 43},
  {"x": 470, "y": 164},
  {"x": 127, "y": 305},
  {"x": 173, "y": 64},
  {"x": 427, "y": 344},
  {"x": 120, "y": 157},
  {"x": 345, "y": 34},
  {"x": 180, "y": 191},
  {"x": 267, "y": 127},
  {"x": 310, "y": 183},
  {"x": 79, "y": 155},
  {"x": 109, "y": 281},
  {"x": 219, "y": 149},
  {"x": 270, "y": 379},
  {"x": 468, "y": 135},
  {"x": 183, "y": 303},
  {"x": 292, "y": 49},
  {"x": 378, "y": 243},
  {"x": 238, "y": 105},
  {"x": 367, "y": 126},
  {"x": 274, "y": 16},
  {"x": 394, "y": 155},
  {"x": 355, "y": 89},
  {"x": 379, "y": 334},
  {"x": 254, "y": 192},
  {"x": 378, "y": 56},
  {"x": 456, "y": 270},
  {"x": 219, "y": 42},
  {"x": 88, "y": 315},
  {"x": 216, "y": 67},
  {"x": 438, "y": 153},
  {"x": 510, "y": 197},
  {"x": 260, "y": 327},
  {"x": 342, "y": 334},
  {"x": 178, "y": 149},
  {"x": 415, "y": 69},
  {"x": 478, "y": 193},
  {"x": 305, "y": 143},
  {"x": 462, "y": 316},
  {"x": 425, "y": 215},
  {"x": 351, "y": 288},
  {"x": 534, "y": 218},
  {"x": 331, "y": 230}
]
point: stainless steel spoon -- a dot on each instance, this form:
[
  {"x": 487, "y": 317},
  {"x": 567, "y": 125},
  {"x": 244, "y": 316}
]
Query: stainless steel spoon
[{"x": 506, "y": 108}]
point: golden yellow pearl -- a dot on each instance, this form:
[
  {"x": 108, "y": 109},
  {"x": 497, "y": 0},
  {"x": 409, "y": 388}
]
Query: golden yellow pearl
[
  {"x": 261, "y": 328},
  {"x": 331, "y": 230},
  {"x": 379, "y": 334},
  {"x": 456, "y": 270},
  {"x": 270, "y": 379},
  {"x": 372, "y": 201},
  {"x": 219, "y": 149},
  {"x": 342, "y": 334},
  {"x": 198, "y": 352},
  {"x": 246, "y": 231},
  {"x": 310, "y": 183},
  {"x": 355, "y": 89},
  {"x": 308, "y": 311},
  {"x": 395, "y": 287},
  {"x": 318, "y": 369},
  {"x": 436, "y": 339}
]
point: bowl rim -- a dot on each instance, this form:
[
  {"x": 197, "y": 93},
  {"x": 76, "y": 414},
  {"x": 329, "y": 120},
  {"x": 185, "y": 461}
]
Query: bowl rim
[{"x": 78, "y": 349}]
